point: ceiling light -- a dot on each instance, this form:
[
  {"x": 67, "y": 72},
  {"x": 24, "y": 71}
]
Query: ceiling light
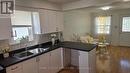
[
  {"x": 106, "y": 7},
  {"x": 126, "y": 0}
]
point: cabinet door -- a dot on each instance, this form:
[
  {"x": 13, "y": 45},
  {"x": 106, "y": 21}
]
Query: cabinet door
[
  {"x": 66, "y": 57},
  {"x": 5, "y": 28},
  {"x": 48, "y": 21},
  {"x": 83, "y": 62},
  {"x": 52, "y": 21},
  {"x": 75, "y": 57},
  {"x": 15, "y": 69},
  {"x": 60, "y": 21},
  {"x": 44, "y": 20},
  {"x": 30, "y": 66},
  {"x": 56, "y": 60},
  {"x": 44, "y": 63}
]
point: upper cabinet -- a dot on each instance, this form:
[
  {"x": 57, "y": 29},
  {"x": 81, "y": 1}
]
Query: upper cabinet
[
  {"x": 5, "y": 28},
  {"x": 51, "y": 21},
  {"x": 60, "y": 21}
]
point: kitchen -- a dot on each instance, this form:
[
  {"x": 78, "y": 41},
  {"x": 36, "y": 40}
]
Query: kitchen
[{"x": 48, "y": 36}]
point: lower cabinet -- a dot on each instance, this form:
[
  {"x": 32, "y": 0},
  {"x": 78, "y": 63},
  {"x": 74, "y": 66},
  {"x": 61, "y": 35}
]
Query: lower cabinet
[
  {"x": 44, "y": 63},
  {"x": 87, "y": 61},
  {"x": 30, "y": 66},
  {"x": 56, "y": 60},
  {"x": 17, "y": 68},
  {"x": 50, "y": 62}
]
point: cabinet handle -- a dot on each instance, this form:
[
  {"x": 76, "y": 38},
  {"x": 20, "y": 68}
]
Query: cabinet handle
[
  {"x": 14, "y": 68},
  {"x": 57, "y": 29},
  {"x": 37, "y": 59}
]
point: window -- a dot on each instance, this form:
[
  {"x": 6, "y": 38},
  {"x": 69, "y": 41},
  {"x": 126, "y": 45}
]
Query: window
[
  {"x": 22, "y": 24},
  {"x": 102, "y": 24},
  {"x": 126, "y": 24}
]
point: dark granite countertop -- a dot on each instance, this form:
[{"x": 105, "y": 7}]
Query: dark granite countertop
[
  {"x": 78, "y": 46},
  {"x": 2, "y": 70},
  {"x": 6, "y": 62}
]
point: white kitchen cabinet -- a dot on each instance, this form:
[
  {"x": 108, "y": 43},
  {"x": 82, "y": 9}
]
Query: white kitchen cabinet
[
  {"x": 44, "y": 21},
  {"x": 17, "y": 68},
  {"x": 51, "y": 62},
  {"x": 30, "y": 66},
  {"x": 47, "y": 21},
  {"x": 74, "y": 57},
  {"x": 56, "y": 60},
  {"x": 60, "y": 21},
  {"x": 66, "y": 57},
  {"x": 50, "y": 21},
  {"x": 5, "y": 28},
  {"x": 87, "y": 61},
  {"x": 44, "y": 63}
]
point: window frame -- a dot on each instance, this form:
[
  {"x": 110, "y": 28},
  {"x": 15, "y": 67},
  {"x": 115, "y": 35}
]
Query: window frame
[
  {"x": 13, "y": 26},
  {"x": 121, "y": 23},
  {"x": 103, "y": 25}
]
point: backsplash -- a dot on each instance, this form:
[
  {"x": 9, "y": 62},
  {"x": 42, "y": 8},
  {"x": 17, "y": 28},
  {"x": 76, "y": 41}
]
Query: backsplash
[{"x": 38, "y": 39}]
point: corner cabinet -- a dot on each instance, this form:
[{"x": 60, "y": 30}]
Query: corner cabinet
[
  {"x": 87, "y": 61},
  {"x": 51, "y": 21}
]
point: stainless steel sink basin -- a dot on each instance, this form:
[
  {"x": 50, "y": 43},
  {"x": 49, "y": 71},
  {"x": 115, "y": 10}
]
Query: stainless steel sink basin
[
  {"x": 23, "y": 54},
  {"x": 29, "y": 53}
]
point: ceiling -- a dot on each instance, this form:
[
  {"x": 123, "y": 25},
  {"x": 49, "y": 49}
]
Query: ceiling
[
  {"x": 62, "y": 1},
  {"x": 76, "y": 4}
]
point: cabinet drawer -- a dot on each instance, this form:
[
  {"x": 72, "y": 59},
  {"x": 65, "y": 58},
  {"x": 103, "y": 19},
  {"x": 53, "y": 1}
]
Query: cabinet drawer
[{"x": 14, "y": 67}]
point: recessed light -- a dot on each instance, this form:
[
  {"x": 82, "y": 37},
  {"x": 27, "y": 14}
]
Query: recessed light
[{"x": 106, "y": 7}]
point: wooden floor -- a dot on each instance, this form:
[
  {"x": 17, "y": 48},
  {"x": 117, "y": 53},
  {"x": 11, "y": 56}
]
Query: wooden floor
[{"x": 116, "y": 61}]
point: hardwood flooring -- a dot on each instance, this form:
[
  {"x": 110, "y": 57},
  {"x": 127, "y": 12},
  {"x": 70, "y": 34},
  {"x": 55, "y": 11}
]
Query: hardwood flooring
[{"x": 116, "y": 61}]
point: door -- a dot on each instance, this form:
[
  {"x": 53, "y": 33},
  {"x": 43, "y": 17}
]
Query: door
[
  {"x": 30, "y": 66},
  {"x": 125, "y": 30},
  {"x": 44, "y": 63}
]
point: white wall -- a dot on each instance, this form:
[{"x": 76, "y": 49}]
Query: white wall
[
  {"x": 76, "y": 21},
  {"x": 81, "y": 21},
  {"x": 116, "y": 38}
]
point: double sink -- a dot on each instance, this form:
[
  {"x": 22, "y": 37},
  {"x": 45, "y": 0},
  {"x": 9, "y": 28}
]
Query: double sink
[{"x": 29, "y": 53}]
